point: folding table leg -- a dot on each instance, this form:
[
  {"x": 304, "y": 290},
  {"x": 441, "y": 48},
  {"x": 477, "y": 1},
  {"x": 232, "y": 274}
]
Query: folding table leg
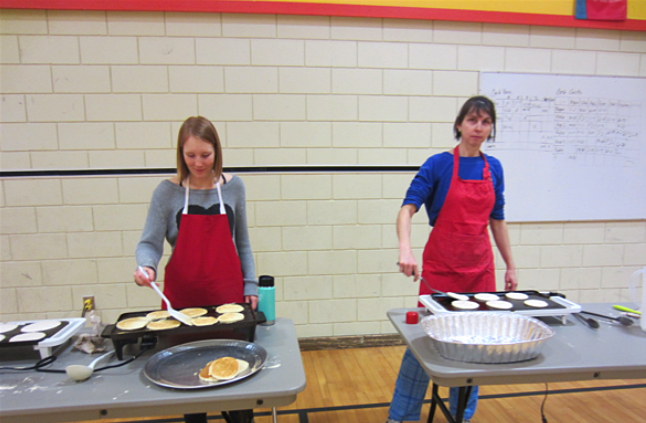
[
  {"x": 434, "y": 399},
  {"x": 463, "y": 398},
  {"x": 274, "y": 416}
]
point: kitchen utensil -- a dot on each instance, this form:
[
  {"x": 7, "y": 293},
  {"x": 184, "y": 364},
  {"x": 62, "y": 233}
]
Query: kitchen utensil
[
  {"x": 626, "y": 309},
  {"x": 587, "y": 321},
  {"x": 626, "y": 321},
  {"x": 174, "y": 313},
  {"x": 80, "y": 372},
  {"x": 453, "y": 295},
  {"x": 633, "y": 283}
]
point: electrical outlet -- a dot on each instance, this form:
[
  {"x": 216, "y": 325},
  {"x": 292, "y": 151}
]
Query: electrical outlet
[{"x": 88, "y": 304}]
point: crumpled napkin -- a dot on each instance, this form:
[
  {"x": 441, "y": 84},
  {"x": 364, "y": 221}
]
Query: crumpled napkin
[{"x": 91, "y": 342}]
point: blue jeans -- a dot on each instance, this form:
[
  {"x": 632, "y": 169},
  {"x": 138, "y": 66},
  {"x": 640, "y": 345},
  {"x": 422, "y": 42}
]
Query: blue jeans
[{"x": 410, "y": 389}]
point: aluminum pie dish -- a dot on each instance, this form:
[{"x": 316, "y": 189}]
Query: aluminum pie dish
[{"x": 490, "y": 338}]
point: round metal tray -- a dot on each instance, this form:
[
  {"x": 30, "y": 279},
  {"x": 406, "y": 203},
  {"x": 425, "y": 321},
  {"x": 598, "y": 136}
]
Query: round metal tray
[{"x": 179, "y": 366}]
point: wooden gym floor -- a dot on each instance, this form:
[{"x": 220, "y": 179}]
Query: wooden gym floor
[{"x": 355, "y": 385}]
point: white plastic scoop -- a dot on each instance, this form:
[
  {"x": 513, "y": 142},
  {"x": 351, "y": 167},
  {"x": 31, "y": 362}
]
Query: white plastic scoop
[
  {"x": 80, "y": 372},
  {"x": 174, "y": 313}
]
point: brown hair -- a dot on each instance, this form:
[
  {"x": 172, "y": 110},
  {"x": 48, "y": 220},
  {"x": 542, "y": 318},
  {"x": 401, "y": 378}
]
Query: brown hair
[
  {"x": 202, "y": 128},
  {"x": 477, "y": 105}
]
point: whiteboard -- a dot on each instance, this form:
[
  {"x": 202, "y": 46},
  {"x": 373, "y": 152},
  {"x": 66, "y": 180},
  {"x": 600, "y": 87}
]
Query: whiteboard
[{"x": 572, "y": 147}]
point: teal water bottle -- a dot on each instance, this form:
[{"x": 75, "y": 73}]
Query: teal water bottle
[{"x": 267, "y": 298}]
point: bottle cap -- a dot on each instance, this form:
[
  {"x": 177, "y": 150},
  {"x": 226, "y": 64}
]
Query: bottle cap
[{"x": 266, "y": 281}]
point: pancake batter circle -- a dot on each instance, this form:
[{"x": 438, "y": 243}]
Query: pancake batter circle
[
  {"x": 500, "y": 305},
  {"x": 536, "y": 303},
  {"x": 26, "y": 337},
  {"x": 41, "y": 326},
  {"x": 516, "y": 296},
  {"x": 465, "y": 305},
  {"x": 7, "y": 327},
  {"x": 486, "y": 297}
]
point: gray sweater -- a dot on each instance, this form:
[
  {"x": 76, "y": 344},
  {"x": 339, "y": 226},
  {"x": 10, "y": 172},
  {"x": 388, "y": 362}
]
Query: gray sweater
[{"x": 166, "y": 208}]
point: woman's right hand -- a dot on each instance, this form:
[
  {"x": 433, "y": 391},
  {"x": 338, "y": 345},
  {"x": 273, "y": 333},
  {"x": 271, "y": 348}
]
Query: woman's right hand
[
  {"x": 408, "y": 264},
  {"x": 144, "y": 280}
]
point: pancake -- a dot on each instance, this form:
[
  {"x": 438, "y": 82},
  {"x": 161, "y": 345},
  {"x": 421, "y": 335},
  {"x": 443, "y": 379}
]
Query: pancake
[
  {"x": 163, "y": 324},
  {"x": 26, "y": 337},
  {"x": 7, "y": 327},
  {"x": 205, "y": 320},
  {"x": 229, "y": 308},
  {"x": 194, "y": 311},
  {"x": 500, "y": 305},
  {"x": 158, "y": 315},
  {"x": 205, "y": 374},
  {"x": 224, "y": 368},
  {"x": 132, "y": 323},
  {"x": 465, "y": 305},
  {"x": 2, "y": 337},
  {"x": 486, "y": 297},
  {"x": 516, "y": 296},
  {"x": 231, "y": 318},
  {"x": 536, "y": 303},
  {"x": 41, "y": 326}
]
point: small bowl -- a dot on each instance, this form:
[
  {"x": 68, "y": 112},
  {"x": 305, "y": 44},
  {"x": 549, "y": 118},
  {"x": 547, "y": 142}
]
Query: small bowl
[{"x": 487, "y": 337}]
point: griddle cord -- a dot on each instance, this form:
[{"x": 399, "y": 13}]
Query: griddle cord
[{"x": 41, "y": 364}]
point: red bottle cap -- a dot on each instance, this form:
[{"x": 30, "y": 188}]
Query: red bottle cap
[{"x": 412, "y": 317}]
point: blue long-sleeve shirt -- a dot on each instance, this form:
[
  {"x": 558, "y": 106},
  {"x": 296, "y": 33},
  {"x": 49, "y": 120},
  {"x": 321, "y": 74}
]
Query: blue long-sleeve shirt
[{"x": 430, "y": 185}]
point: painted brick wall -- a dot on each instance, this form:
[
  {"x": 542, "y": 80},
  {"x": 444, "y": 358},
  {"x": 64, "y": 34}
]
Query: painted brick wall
[{"x": 97, "y": 90}]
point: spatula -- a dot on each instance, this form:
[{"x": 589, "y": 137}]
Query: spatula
[
  {"x": 453, "y": 295},
  {"x": 174, "y": 313}
]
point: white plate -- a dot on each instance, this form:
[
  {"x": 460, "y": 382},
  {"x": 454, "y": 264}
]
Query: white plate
[
  {"x": 7, "y": 327},
  {"x": 536, "y": 303},
  {"x": 486, "y": 297},
  {"x": 27, "y": 337},
  {"x": 41, "y": 326},
  {"x": 465, "y": 305},
  {"x": 500, "y": 305}
]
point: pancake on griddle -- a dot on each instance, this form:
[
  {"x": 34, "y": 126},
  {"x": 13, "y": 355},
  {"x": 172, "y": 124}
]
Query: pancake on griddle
[
  {"x": 194, "y": 311},
  {"x": 231, "y": 318},
  {"x": 204, "y": 320},
  {"x": 132, "y": 323},
  {"x": 163, "y": 324},
  {"x": 158, "y": 315},
  {"x": 229, "y": 308}
]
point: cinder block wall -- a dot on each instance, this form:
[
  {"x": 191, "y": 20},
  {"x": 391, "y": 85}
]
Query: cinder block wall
[{"x": 108, "y": 90}]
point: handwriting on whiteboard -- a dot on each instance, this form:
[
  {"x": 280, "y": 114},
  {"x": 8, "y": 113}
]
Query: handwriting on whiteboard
[{"x": 568, "y": 126}]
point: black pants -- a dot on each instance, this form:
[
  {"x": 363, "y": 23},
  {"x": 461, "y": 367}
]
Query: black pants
[{"x": 236, "y": 416}]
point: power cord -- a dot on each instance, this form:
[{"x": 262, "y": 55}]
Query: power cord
[
  {"x": 42, "y": 363},
  {"x": 543, "y": 418}
]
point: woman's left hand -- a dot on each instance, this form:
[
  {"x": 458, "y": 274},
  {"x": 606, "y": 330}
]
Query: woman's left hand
[
  {"x": 511, "y": 282},
  {"x": 251, "y": 299}
]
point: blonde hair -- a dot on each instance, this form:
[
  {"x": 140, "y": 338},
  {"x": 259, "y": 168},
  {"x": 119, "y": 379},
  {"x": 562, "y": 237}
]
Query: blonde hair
[{"x": 202, "y": 128}]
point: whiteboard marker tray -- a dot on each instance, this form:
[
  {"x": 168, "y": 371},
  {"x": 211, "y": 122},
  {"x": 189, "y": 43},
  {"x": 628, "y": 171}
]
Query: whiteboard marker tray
[{"x": 557, "y": 304}]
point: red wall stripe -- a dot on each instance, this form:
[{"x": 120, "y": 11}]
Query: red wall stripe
[{"x": 319, "y": 9}]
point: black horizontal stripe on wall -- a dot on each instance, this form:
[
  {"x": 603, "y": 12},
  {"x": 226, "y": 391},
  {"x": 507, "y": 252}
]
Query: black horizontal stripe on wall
[{"x": 171, "y": 171}]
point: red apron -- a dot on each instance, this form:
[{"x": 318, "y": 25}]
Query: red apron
[
  {"x": 458, "y": 255},
  {"x": 204, "y": 268}
]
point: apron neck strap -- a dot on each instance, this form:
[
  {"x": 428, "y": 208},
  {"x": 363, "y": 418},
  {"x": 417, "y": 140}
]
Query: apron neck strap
[
  {"x": 186, "y": 191},
  {"x": 456, "y": 164}
]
